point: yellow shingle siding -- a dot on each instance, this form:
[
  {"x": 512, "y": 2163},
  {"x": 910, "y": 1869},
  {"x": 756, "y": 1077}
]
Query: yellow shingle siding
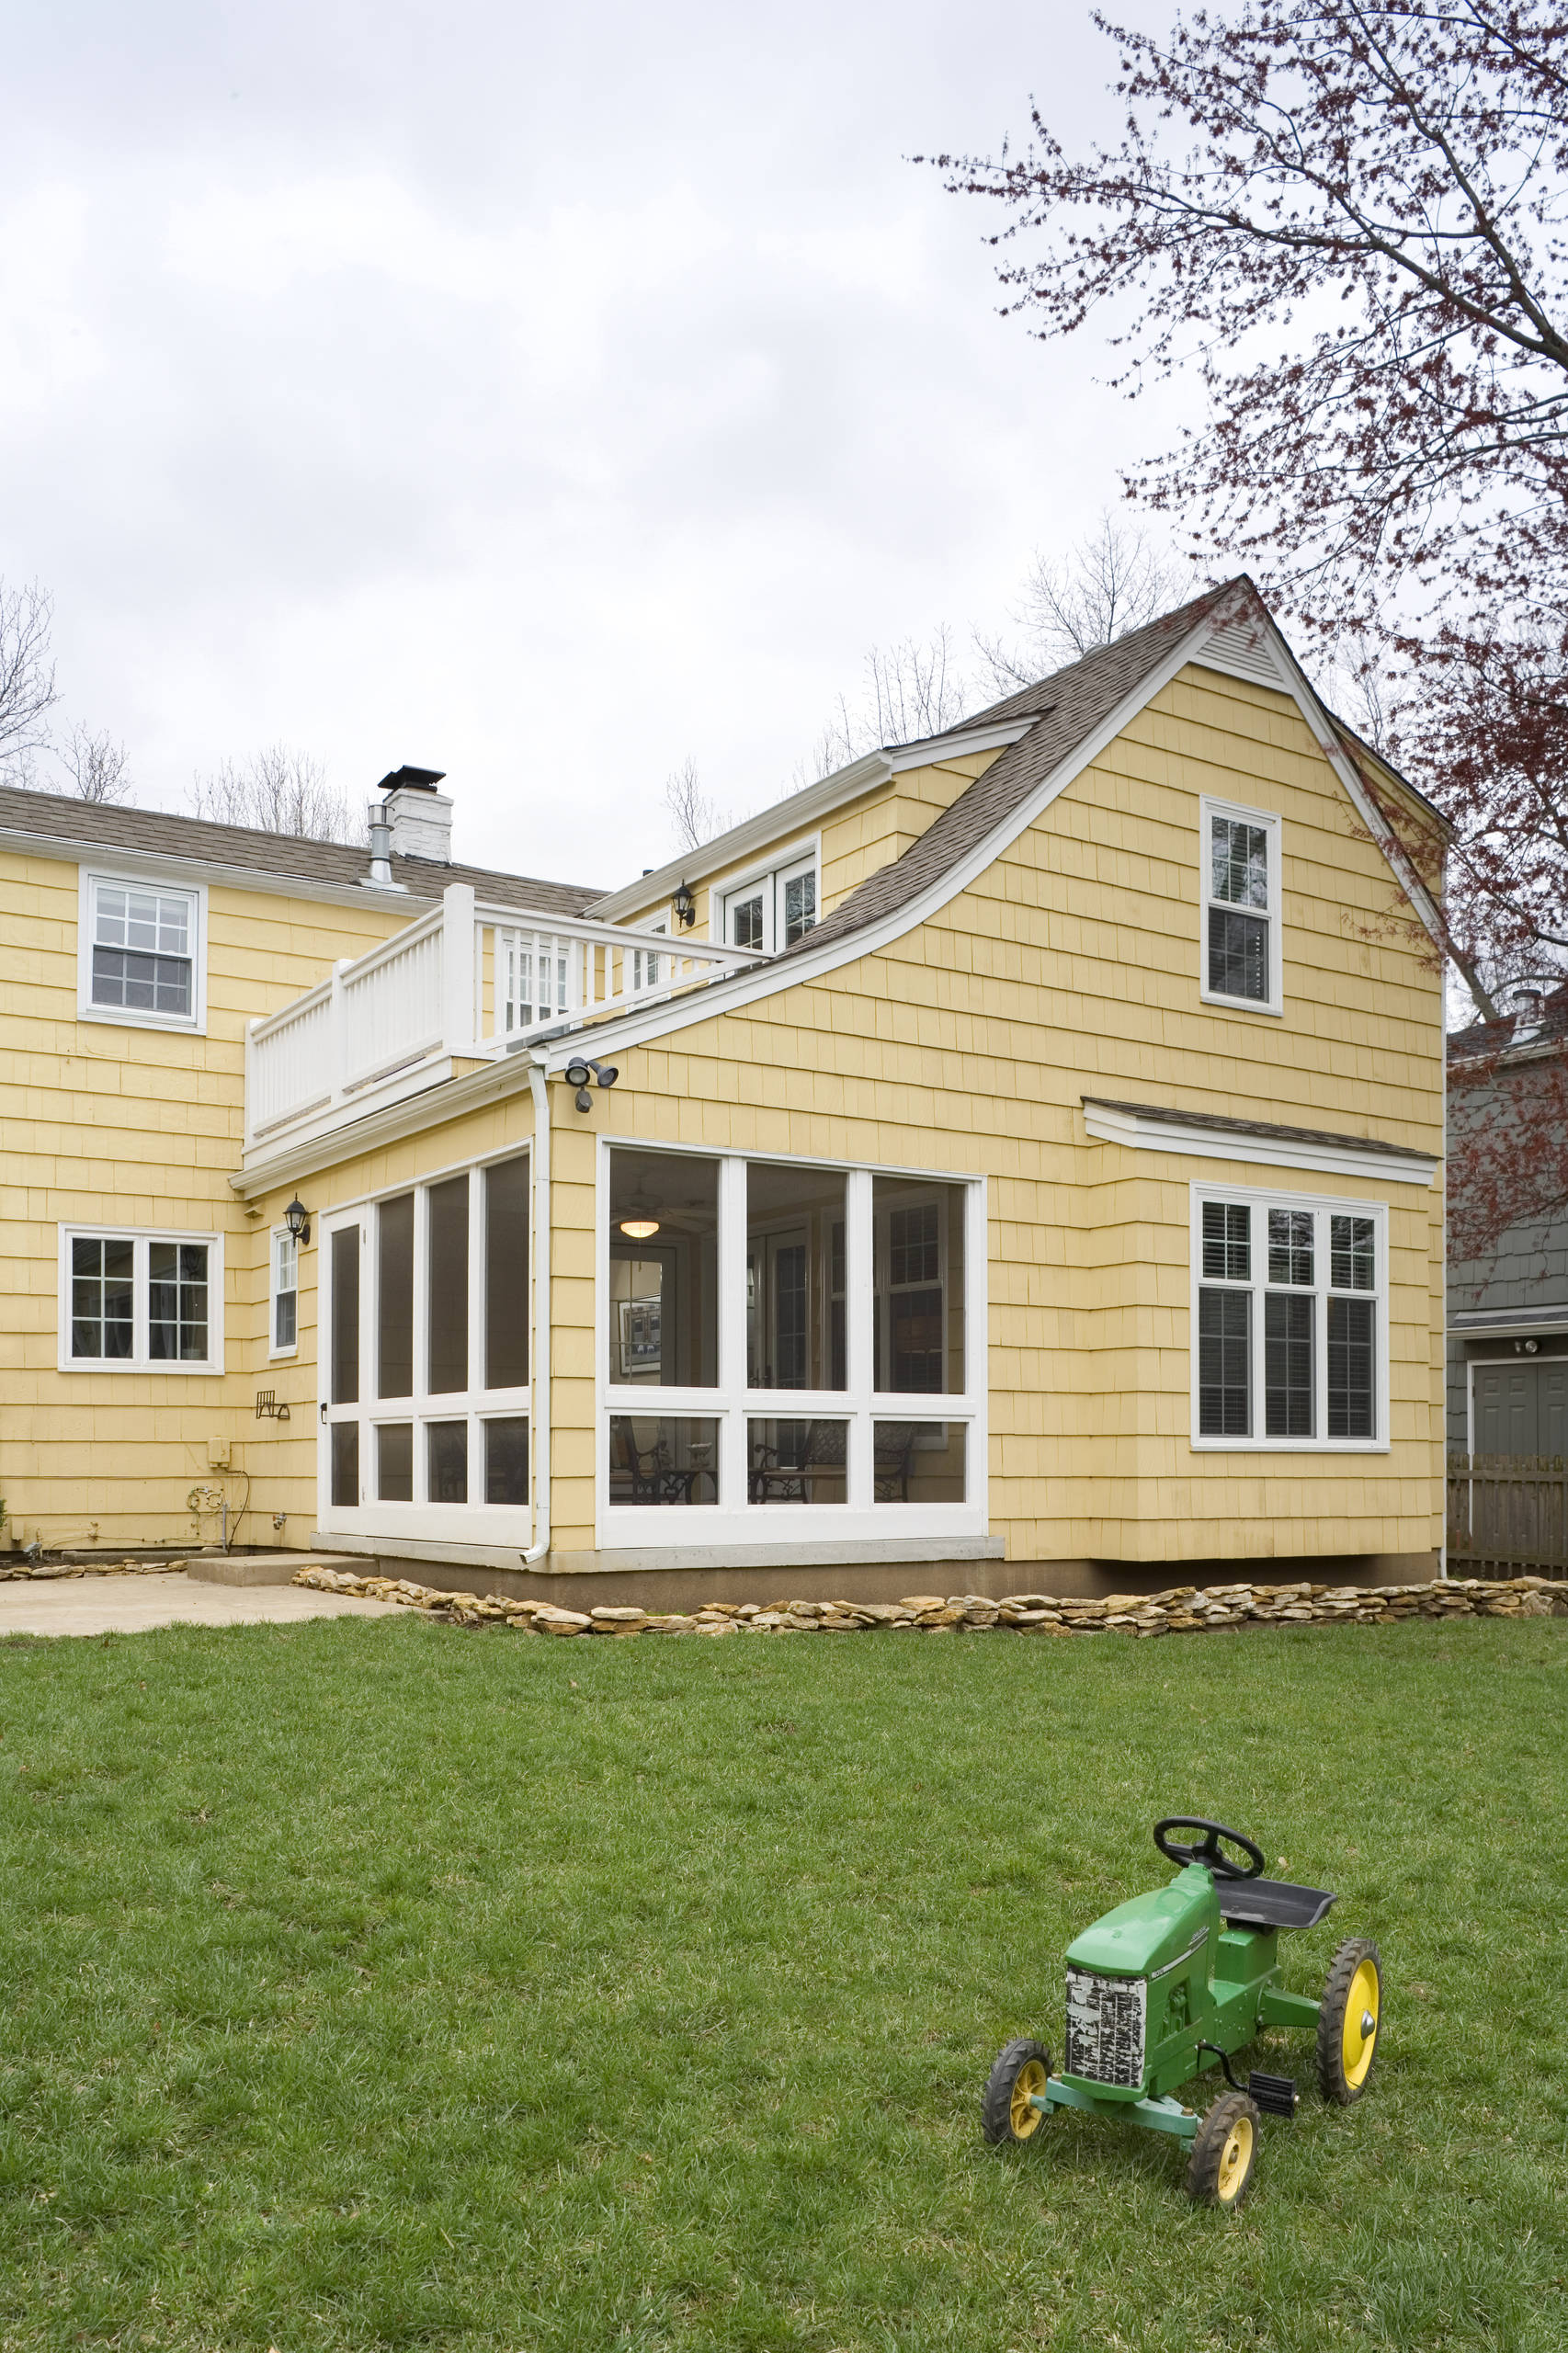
[
  {"x": 1069, "y": 967},
  {"x": 105, "y": 1122}
]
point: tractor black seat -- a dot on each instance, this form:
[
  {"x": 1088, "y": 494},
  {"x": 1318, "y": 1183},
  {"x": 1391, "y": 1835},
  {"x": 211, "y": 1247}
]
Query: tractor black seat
[{"x": 1270, "y": 1903}]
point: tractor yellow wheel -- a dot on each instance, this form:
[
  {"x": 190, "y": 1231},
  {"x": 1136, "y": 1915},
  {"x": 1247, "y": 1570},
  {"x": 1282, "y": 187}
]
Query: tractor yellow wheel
[
  {"x": 1224, "y": 2152},
  {"x": 1016, "y": 2081},
  {"x": 1350, "y": 2022}
]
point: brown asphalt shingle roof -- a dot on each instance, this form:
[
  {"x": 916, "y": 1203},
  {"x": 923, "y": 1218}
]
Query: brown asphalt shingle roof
[{"x": 156, "y": 832}]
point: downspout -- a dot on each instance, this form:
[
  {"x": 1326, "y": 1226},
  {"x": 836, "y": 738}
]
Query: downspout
[{"x": 538, "y": 1429}]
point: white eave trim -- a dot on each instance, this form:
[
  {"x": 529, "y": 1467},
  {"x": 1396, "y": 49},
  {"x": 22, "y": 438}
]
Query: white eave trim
[
  {"x": 1506, "y": 1323},
  {"x": 1199, "y": 1140},
  {"x": 756, "y": 835}
]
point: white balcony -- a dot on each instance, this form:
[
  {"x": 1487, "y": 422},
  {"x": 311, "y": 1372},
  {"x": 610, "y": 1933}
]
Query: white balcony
[{"x": 463, "y": 982}]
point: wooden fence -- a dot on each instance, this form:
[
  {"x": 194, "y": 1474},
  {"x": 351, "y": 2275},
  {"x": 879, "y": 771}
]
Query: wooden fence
[{"x": 1508, "y": 1513}]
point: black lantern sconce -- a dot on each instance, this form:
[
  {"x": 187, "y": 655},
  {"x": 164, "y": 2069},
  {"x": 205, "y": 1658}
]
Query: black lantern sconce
[
  {"x": 580, "y": 1070},
  {"x": 296, "y": 1218},
  {"x": 685, "y": 905}
]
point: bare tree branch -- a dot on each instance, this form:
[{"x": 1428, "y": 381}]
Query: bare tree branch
[
  {"x": 96, "y": 766},
  {"x": 279, "y": 790},
  {"x": 1114, "y": 580},
  {"x": 696, "y": 818},
  {"x": 26, "y": 677}
]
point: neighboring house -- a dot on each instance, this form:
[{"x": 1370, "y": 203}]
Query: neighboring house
[
  {"x": 1507, "y": 1352},
  {"x": 1013, "y": 1160}
]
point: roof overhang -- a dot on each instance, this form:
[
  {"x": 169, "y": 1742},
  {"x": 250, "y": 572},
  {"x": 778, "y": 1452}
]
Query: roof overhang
[
  {"x": 805, "y": 808},
  {"x": 1146, "y": 1127}
]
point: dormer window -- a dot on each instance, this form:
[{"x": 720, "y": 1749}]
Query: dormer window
[
  {"x": 771, "y": 910},
  {"x": 1242, "y": 955}
]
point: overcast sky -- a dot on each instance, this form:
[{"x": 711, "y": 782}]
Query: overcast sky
[{"x": 543, "y": 396}]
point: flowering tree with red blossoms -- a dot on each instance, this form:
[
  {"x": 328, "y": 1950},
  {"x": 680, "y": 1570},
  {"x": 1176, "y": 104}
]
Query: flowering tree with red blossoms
[{"x": 1350, "y": 223}]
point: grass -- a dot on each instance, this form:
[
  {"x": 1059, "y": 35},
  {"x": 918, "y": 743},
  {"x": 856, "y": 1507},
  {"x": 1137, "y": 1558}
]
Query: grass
[{"x": 380, "y": 1985}]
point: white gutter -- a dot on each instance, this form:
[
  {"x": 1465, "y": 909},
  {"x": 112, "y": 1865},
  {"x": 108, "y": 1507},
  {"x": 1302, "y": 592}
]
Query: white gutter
[{"x": 538, "y": 1425}]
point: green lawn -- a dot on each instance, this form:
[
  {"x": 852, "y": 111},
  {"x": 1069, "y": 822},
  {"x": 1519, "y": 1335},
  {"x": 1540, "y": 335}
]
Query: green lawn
[{"x": 379, "y": 1983}]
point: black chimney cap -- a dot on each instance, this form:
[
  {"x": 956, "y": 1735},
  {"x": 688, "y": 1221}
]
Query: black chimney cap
[{"x": 426, "y": 780}]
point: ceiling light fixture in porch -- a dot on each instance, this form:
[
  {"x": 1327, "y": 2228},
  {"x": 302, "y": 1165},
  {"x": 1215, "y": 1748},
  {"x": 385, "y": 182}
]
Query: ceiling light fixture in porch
[{"x": 641, "y": 1225}]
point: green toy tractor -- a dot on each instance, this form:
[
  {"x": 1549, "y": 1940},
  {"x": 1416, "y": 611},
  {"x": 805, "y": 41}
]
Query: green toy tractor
[{"x": 1164, "y": 1986}]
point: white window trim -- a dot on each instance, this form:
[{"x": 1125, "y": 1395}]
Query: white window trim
[
  {"x": 139, "y": 1361},
  {"x": 275, "y": 1353},
  {"x": 1274, "y": 828},
  {"x": 474, "y": 1522},
  {"x": 131, "y": 1017},
  {"x": 772, "y": 872},
  {"x": 713, "y": 1530},
  {"x": 1251, "y": 1197}
]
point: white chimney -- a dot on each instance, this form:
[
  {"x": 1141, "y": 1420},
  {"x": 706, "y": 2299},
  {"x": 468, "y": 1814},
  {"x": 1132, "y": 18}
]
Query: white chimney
[{"x": 419, "y": 817}]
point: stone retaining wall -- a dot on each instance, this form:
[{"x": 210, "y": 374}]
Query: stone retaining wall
[{"x": 1182, "y": 1610}]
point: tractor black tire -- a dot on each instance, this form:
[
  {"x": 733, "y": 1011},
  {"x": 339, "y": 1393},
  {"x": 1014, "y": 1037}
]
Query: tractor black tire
[
  {"x": 1224, "y": 2152},
  {"x": 1347, "y": 2052},
  {"x": 1005, "y": 2112}
]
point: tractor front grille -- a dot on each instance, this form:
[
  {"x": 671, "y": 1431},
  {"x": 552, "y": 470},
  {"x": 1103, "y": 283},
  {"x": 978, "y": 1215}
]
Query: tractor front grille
[{"x": 1105, "y": 2027}]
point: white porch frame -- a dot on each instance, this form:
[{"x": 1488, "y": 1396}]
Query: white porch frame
[{"x": 711, "y": 1530}]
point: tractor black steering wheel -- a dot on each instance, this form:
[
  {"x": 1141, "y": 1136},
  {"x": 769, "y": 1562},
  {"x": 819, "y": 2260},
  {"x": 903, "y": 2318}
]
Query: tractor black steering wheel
[{"x": 1207, "y": 1851}]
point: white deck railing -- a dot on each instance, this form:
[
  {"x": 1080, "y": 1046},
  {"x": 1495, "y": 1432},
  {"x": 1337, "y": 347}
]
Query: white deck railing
[{"x": 460, "y": 981}]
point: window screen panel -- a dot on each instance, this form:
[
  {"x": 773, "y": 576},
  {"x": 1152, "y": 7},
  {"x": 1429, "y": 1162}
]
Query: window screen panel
[
  {"x": 506, "y": 1275},
  {"x": 448, "y": 1289},
  {"x": 1239, "y": 862},
  {"x": 447, "y": 1462},
  {"x": 345, "y": 1462},
  {"x": 345, "y": 1316},
  {"x": 285, "y": 1290},
  {"x": 395, "y": 1298},
  {"x": 1227, "y": 1242},
  {"x": 1288, "y": 1364},
  {"x": 1238, "y": 955},
  {"x": 1290, "y": 1246},
  {"x": 506, "y": 1460},
  {"x": 176, "y": 1303},
  {"x": 1224, "y": 1363},
  {"x": 1352, "y": 1368},
  {"x": 1353, "y": 1253},
  {"x": 800, "y": 906},
  {"x": 102, "y": 1299},
  {"x": 394, "y": 1462}
]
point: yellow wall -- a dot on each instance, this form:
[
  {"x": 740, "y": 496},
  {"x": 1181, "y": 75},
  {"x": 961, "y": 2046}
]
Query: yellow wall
[
  {"x": 142, "y": 1127},
  {"x": 1071, "y": 966}
]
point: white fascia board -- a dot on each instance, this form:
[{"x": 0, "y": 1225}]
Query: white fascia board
[
  {"x": 756, "y": 835},
  {"x": 1264, "y": 1152}
]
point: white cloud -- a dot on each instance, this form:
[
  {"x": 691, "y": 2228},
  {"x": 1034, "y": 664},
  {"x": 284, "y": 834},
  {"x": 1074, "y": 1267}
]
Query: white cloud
[{"x": 543, "y": 397}]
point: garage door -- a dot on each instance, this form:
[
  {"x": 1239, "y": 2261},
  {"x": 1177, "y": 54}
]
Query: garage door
[{"x": 1521, "y": 1408}]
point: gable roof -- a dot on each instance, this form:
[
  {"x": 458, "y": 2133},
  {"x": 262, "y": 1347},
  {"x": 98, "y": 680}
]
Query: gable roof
[
  {"x": 84, "y": 828},
  {"x": 1067, "y": 708}
]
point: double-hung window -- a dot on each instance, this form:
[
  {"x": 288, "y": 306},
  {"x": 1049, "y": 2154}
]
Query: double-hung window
[
  {"x": 1242, "y": 960},
  {"x": 141, "y": 953},
  {"x": 133, "y": 1301},
  {"x": 771, "y": 910},
  {"x": 1289, "y": 1320}
]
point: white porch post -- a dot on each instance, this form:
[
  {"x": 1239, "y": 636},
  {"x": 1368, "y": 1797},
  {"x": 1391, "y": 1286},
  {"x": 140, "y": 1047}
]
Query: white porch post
[{"x": 457, "y": 963}]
